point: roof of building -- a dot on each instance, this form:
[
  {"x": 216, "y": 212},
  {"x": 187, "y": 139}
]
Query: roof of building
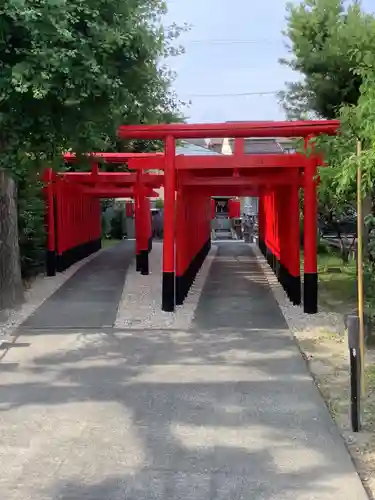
[
  {"x": 260, "y": 146},
  {"x": 266, "y": 145},
  {"x": 252, "y": 146},
  {"x": 198, "y": 142},
  {"x": 187, "y": 148}
]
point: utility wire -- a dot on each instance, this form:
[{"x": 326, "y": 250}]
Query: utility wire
[
  {"x": 234, "y": 94},
  {"x": 229, "y": 42}
]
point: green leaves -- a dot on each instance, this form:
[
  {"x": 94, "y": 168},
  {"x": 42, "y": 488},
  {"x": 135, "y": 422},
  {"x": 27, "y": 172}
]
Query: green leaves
[
  {"x": 75, "y": 70},
  {"x": 71, "y": 72},
  {"x": 328, "y": 44}
]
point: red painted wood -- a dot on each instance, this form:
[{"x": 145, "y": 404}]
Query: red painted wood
[
  {"x": 292, "y": 201},
  {"x": 110, "y": 157},
  {"x": 201, "y": 162},
  {"x": 234, "y": 129},
  {"x": 49, "y": 208},
  {"x": 129, "y": 209},
  {"x": 240, "y": 182},
  {"x": 234, "y": 208},
  {"x": 114, "y": 178},
  {"x": 181, "y": 233},
  {"x": 169, "y": 207},
  {"x": 261, "y": 222},
  {"x": 310, "y": 217}
]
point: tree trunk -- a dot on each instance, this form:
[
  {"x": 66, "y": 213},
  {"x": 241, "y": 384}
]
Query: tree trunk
[
  {"x": 11, "y": 286},
  {"x": 344, "y": 252}
]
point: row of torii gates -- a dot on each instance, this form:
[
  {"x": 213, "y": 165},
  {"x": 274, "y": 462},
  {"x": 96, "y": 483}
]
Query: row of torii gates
[{"x": 73, "y": 215}]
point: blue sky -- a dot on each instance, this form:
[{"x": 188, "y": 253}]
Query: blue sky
[{"x": 210, "y": 67}]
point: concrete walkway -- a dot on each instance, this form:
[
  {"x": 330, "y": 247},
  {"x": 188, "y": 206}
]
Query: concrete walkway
[
  {"x": 224, "y": 411},
  {"x": 89, "y": 299}
]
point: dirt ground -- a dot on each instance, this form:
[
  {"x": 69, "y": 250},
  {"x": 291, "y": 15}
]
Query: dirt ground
[{"x": 326, "y": 353}]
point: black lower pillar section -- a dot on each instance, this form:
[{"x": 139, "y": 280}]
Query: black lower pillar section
[
  {"x": 262, "y": 247},
  {"x": 51, "y": 263},
  {"x": 167, "y": 294},
  {"x": 269, "y": 257},
  {"x": 291, "y": 284},
  {"x": 144, "y": 263},
  {"x": 310, "y": 293},
  {"x": 75, "y": 254},
  {"x": 276, "y": 268},
  {"x": 181, "y": 289},
  {"x": 138, "y": 260},
  {"x": 184, "y": 282},
  {"x": 283, "y": 278},
  {"x": 295, "y": 290}
]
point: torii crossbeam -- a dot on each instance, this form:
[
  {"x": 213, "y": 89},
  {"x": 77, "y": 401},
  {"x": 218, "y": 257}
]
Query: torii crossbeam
[{"x": 206, "y": 175}]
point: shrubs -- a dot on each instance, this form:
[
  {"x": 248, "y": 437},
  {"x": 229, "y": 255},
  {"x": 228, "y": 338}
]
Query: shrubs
[{"x": 323, "y": 248}]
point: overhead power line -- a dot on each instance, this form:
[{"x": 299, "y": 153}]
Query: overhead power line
[
  {"x": 230, "y": 42},
  {"x": 234, "y": 94}
]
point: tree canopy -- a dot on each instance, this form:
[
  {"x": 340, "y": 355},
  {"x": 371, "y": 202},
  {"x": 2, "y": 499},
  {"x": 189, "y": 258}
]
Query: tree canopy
[
  {"x": 327, "y": 42},
  {"x": 332, "y": 47},
  {"x": 70, "y": 73}
]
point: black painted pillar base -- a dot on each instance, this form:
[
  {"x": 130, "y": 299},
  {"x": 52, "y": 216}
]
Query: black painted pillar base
[
  {"x": 291, "y": 284},
  {"x": 144, "y": 263},
  {"x": 295, "y": 290},
  {"x": 262, "y": 247},
  {"x": 184, "y": 282},
  {"x": 75, "y": 254},
  {"x": 310, "y": 293},
  {"x": 277, "y": 268},
  {"x": 181, "y": 290},
  {"x": 168, "y": 292},
  {"x": 270, "y": 259},
  {"x": 51, "y": 263}
]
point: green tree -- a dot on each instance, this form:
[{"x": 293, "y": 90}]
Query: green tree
[
  {"x": 70, "y": 74},
  {"x": 332, "y": 46},
  {"x": 327, "y": 42},
  {"x": 339, "y": 179}
]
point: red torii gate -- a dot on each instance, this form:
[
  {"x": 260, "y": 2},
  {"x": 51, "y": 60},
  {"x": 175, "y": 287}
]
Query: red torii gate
[
  {"x": 73, "y": 215},
  {"x": 275, "y": 178}
]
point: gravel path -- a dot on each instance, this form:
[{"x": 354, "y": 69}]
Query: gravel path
[
  {"x": 140, "y": 305},
  {"x": 297, "y": 320}
]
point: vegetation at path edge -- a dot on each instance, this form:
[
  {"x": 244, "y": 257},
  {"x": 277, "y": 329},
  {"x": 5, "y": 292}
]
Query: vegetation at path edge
[{"x": 70, "y": 74}]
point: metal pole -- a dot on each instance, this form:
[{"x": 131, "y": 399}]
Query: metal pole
[{"x": 360, "y": 269}]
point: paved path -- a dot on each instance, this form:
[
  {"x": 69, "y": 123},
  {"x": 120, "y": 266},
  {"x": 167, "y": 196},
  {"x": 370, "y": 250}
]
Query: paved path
[
  {"x": 224, "y": 411},
  {"x": 89, "y": 299}
]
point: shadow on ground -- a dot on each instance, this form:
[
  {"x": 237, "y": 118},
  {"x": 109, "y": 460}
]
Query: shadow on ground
[
  {"x": 217, "y": 412},
  {"x": 180, "y": 415}
]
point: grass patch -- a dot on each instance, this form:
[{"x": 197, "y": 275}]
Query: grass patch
[
  {"x": 337, "y": 282},
  {"x": 370, "y": 376}
]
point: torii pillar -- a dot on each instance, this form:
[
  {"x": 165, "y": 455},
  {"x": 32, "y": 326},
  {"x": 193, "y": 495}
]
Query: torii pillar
[
  {"x": 310, "y": 285},
  {"x": 168, "y": 285}
]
